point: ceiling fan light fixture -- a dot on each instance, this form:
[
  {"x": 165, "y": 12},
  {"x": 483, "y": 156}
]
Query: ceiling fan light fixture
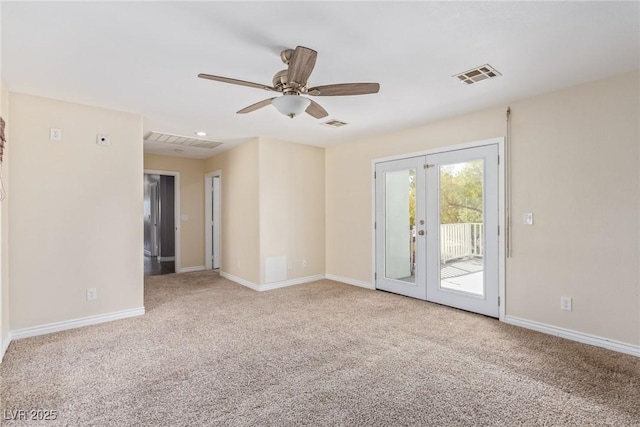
[{"x": 291, "y": 105}]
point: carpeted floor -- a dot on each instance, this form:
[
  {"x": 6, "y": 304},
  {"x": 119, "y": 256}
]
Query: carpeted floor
[{"x": 210, "y": 352}]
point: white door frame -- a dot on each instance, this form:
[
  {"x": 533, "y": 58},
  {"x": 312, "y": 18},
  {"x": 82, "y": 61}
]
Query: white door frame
[
  {"x": 500, "y": 141},
  {"x": 176, "y": 209},
  {"x": 209, "y": 238}
]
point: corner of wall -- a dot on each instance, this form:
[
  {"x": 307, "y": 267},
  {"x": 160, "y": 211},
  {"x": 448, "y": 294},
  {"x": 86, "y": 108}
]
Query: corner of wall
[
  {"x": 93, "y": 212},
  {"x": 5, "y": 334}
]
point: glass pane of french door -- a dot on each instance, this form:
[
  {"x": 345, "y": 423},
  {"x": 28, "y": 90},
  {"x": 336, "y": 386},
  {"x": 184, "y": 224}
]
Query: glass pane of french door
[
  {"x": 399, "y": 224},
  {"x": 462, "y": 226}
]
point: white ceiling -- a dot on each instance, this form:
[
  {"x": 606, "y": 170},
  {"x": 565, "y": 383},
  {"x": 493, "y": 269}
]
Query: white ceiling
[{"x": 143, "y": 57}]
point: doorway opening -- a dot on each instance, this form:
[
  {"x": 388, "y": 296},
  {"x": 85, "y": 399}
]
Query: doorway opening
[
  {"x": 213, "y": 210},
  {"x": 437, "y": 231},
  {"x": 161, "y": 219}
]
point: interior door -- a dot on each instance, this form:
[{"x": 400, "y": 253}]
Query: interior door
[
  {"x": 215, "y": 222},
  {"x": 155, "y": 217},
  {"x": 400, "y": 227},
  {"x": 462, "y": 229}
]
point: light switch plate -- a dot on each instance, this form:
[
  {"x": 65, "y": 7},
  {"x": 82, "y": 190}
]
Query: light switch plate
[{"x": 528, "y": 218}]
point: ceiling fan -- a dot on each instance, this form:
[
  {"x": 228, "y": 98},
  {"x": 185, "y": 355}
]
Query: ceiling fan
[{"x": 292, "y": 83}]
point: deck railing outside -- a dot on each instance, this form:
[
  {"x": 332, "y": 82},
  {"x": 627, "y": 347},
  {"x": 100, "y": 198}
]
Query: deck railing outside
[{"x": 464, "y": 240}]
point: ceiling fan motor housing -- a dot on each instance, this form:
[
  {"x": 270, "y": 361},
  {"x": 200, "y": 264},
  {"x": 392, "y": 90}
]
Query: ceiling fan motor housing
[
  {"x": 286, "y": 55},
  {"x": 280, "y": 80}
]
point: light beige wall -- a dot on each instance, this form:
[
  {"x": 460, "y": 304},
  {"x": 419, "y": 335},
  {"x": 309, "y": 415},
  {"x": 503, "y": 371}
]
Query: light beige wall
[
  {"x": 575, "y": 165},
  {"x": 240, "y": 236},
  {"x": 76, "y": 212},
  {"x": 292, "y": 208},
  {"x": 191, "y": 204},
  {"x": 4, "y": 228}
]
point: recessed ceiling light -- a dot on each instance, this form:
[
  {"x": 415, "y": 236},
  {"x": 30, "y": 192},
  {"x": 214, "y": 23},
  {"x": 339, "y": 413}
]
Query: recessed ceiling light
[{"x": 201, "y": 133}]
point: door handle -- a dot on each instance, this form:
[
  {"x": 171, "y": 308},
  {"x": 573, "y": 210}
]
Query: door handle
[{"x": 421, "y": 233}]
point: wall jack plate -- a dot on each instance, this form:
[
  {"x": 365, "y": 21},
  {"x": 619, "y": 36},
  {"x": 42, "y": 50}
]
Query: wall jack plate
[
  {"x": 103, "y": 140},
  {"x": 55, "y": 134},
  {"x": 92, "y": 294}
]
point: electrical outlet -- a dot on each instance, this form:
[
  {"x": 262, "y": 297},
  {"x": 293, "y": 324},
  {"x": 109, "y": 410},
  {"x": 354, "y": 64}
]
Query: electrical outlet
[
  {"x": 92, "y": 293},
  {"x": 566, "y": 303},
  {"x": 304, "y": 263}
]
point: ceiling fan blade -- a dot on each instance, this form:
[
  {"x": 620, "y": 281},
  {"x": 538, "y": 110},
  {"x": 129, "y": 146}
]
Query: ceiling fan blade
[
  {"x": 236, "y": 82},
  {"x": 343, "y": 89},
  {"x": 301, "y": 65},
  {"x": 257, "y": 105},
  {"x": 314, "y": 109}
]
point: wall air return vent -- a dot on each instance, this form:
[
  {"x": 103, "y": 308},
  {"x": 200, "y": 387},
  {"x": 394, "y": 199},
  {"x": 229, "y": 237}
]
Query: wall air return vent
[
  {"x": 186, "y": 141},
  {"x": 334, "y": 123},
  {"x": 478, "y": 74}
]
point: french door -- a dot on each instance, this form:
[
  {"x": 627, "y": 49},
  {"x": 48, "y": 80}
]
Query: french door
[
  {"x": 437, "y": 228},
  {"x": 400, "y": 203}
]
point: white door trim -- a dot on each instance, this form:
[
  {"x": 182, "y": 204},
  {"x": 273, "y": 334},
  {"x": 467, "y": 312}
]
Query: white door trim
[
  {"x": 176, "y": 209},
  {"x": 501, "y": 206},
  {"x": 208, "y": 235}
]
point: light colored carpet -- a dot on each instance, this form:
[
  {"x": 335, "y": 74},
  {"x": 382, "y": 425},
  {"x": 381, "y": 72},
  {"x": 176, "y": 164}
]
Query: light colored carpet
[{"x": 210, "y": 352}]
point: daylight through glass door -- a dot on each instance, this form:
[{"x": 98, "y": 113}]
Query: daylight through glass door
[
  {"x": 462, "y": 227},
  {"x": 399, "y": 226}
]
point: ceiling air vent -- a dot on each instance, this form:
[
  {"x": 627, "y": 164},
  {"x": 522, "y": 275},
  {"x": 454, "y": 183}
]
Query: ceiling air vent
[
  {"x": 334, "y": 123},
  {"x": 187, "y": 141},
  {"x": 477, "y": 74}
]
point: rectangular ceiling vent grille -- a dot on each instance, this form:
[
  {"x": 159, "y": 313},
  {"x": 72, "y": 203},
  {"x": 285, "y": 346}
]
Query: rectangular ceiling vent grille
[
  {"x": 334, "y": 123},
  {"x": 478, "y": 74},
  {"x": 187, "y": 141}
]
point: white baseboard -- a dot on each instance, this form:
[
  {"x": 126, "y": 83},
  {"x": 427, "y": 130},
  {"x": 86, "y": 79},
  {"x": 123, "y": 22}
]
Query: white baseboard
[
  {"x": 353, "y": 282},
  {"x": 285, "y": 283},
  {"x": 271, "y": 286},
  {"x": 190, "y": 269},
  {"x": 166, "y": 258},
  {"x": 633, "y": 350},
  {"x": 240, "y": 281},
  {"x": 75, "y": 323},
  {"x": 5, "y": 345}
]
